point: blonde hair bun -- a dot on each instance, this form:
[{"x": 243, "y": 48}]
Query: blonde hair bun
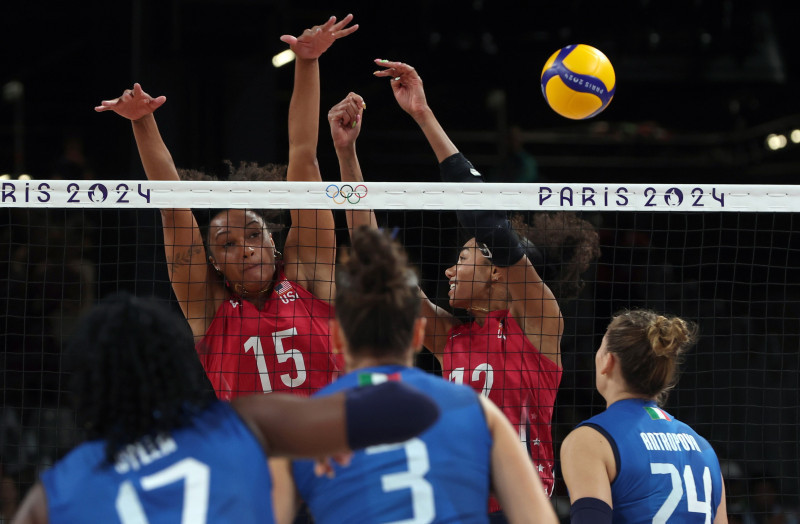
[{"x": 668, "y": 336}]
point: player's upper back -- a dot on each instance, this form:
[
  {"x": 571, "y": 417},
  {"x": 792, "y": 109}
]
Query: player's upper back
[
  {"x": 212, "y": 471},
  {"x": 440, "y": 476},
  {"x": 664, "y": 468}
]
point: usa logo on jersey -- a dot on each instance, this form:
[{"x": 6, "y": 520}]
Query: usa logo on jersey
[{"x": 285, "y": 292}]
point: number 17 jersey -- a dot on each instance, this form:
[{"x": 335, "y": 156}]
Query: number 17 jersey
[{"x": 167, "y": 478}]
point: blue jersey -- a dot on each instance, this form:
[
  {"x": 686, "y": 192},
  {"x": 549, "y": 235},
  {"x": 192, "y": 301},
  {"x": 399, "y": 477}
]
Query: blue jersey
[
  {"x": 212, "y": 471},
  {"x": 441, "y": 475},
  {"x": 666, "y": 472}
]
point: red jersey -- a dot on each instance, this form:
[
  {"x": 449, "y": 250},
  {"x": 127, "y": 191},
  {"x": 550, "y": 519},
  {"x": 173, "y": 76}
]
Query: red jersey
[
  {"x": 283, "y": 347},
  {"x": 499, "y": 361}
]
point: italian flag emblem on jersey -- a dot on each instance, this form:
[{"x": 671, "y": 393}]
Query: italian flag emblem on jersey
[
  {"x": 656, "y": 413},
  {"x": 373, "y": 379}
]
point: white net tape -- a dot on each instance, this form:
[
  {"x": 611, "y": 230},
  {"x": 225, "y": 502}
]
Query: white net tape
[{"x": 123, "y": 194}]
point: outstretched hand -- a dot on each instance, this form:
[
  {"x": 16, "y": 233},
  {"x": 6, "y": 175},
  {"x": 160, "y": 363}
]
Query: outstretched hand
[
  {"x": 133, "y": 104},
  {"x": 406, "y": 85},
  {"x": 315, "y": 41},
  {"x": 345, "y": 120}
]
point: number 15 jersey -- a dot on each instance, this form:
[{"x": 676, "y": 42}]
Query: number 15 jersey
[{"x": 284, "y": 346}]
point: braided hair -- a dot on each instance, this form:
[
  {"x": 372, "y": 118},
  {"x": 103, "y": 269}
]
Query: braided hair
[{"x": 134, "y": 371}]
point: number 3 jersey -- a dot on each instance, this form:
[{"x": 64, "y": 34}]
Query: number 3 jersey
[
  {"x": 284, "y": 347},
  {"x": 440, "y": 476},
  {"x": 180, "y": 477},
  {"x": 664, "y": 468},
  {"x": 499, "y": 361}
]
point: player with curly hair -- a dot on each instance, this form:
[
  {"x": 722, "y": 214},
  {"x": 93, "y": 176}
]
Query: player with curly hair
[
  {"x": 446, "y": 473},
  {"x": 510, "y": 348},
  {"x": 260, "y": 319},
  {"x": 161, "y": 448}
]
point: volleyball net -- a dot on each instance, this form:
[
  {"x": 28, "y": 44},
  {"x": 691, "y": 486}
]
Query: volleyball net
[{"x": 724, "y": 256}]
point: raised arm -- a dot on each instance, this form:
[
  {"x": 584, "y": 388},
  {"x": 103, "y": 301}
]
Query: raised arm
[
  {"x": 410, "y": 95},
  {"x": 438, "y": 326},
  {"x": 183, "y": 244},
  {"x": 532, "y": 304},
  {"x": 516, "y": 484},
  {"x": 310, "y": 249},
  {"x": 345, "y": 119},
  {"x": 534, "y": 307},
  {"x": 530, "y": 301}
]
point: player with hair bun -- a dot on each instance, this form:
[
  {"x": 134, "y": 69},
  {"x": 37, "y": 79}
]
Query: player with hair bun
[
  {"x": 443, "y": 475},
  {"x": 634, "y": 462},
  {"x": 260, "y": 319}
]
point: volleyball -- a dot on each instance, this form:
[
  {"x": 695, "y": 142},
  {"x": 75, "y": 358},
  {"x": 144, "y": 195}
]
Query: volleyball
[{"x": 578, "y": 81}]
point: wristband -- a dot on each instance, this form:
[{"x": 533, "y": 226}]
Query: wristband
[
  {"x": 387, "y": 413},
  {"x": 589, "y": 510}
]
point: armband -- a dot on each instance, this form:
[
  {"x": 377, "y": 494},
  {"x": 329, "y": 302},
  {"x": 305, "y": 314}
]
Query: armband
[
  {"x": 457, "y": 169},
  {"x": 490, "y": 228},
  {"x": 387, "y": 413},
  {"x": 589, "y": 510}
]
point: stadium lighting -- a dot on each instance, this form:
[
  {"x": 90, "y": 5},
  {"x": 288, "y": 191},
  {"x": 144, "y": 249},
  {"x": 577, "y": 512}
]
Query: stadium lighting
[
  {"x": 5, "y": 176},
  {"x": 775, "y": 142},
  {"x": 24, "y": 177},
  {"x": 795, "y": 136},
  {"x": 283, "y": 58}
]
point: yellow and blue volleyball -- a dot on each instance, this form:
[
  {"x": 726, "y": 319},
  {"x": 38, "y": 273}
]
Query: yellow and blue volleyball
[{"x": 578, "y": 81}]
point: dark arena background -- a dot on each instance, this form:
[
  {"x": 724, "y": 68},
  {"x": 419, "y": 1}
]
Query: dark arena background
[{"x": 707, "y": 94}]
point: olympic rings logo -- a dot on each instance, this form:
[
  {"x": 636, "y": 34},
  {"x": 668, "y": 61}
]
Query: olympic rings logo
[{"x": 346, "y": 193}]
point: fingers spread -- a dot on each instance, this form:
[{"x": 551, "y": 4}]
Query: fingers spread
[
  {"x": 344, "y": 21},
  {"x": 327, "y": 25},
  {"x": 345, "y": 32}
]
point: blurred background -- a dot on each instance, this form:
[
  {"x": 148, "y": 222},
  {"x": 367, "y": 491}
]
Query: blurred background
[
  {"x": 701, "y": 84},
  {"x": 706, "y": 93}
]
